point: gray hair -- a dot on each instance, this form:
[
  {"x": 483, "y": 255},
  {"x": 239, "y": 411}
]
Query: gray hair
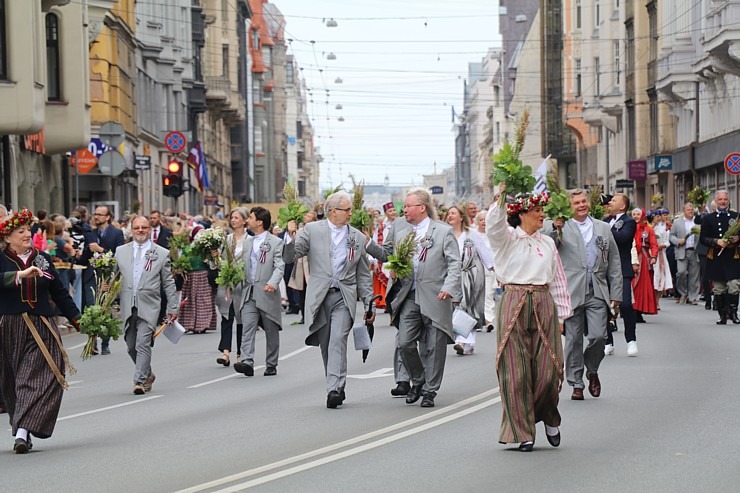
[
  {"x": 725, "y": 192},
  {"x": 3, "y": 210},
  {"x": 577, "y": 191},
  {"x": 334, "y": 200},
  {"x": 242, "y": 211},
  {"x": 426, "y": 199}
]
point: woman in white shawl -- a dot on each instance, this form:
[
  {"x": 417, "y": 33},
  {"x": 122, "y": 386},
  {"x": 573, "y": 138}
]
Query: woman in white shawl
[{"x": 476, "y": 259}]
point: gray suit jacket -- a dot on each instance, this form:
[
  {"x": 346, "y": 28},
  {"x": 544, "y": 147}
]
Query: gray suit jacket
[
  {"x": 607, "y": 274},
  {"x": 439, "y": 272},
  {"x": 315, "y": 243},
  {"x": 678, "y": 232},
  {"x": 148, "y": 298},
  {"x": 269, "y": 272}
]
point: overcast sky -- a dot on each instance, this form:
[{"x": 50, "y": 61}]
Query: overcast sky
[{"x": 402, "y": 64}]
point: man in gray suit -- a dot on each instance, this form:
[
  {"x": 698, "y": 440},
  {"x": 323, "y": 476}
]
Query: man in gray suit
[
  {"x": 687, "y": 276},
  {"x": 263, "y": 269},
  {"x": 422, "y": 309},
  {"x": 339, "y": 271},
  {"x": 145, "y": 268},
  {"x": 593, "y": 268}
]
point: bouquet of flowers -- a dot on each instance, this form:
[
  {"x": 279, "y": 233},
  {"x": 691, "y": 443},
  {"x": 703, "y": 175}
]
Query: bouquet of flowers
[
  {"x": 401, "y": 263},
  {"x": 559, "y": 206},
  {"x": 698, "y": 196},
  {"x": 207, "y": 240},
  {"x": 293, "y": 210},
  {"x": 360, "y": 218},
  {"x": 508, "y": 168},
  {"x": 179, "y": 249},
  {"x": 98, "y": 320},
  {"x": 657, "y": 199},
  {"x": 231, "y": 272},
  {"x": 694, "y": 231},
  {"x": 733, "y": 230}
]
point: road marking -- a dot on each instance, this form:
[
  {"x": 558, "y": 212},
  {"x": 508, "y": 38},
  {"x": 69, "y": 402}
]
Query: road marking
[
  {"x": 352, "y": 441},
  {"x": 116, "y": 406},
  {"x": 233, "y": 375},
  {"x": 383, "y": 372},
  {"x": 75, "y": 347}
]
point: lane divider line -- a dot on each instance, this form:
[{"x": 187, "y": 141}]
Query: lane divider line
[
  {"x": 115, "y": 406},
  {"x": 346, "y": 443}
]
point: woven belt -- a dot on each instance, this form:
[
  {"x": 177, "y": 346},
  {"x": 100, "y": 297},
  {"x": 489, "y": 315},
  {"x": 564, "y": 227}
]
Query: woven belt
[{"x": 526, "y": 287}]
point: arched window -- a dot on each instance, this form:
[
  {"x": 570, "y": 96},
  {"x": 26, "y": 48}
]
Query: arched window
[
  {"x": 3, "y": 43},
  {"x": 53, "y": 91}
]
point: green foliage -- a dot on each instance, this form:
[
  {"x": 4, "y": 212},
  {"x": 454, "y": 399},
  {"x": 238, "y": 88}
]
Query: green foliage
[
  {"x": 508, "y": 168},
  {"x": 559, "y": 206},
  {"x": 331, "y": 191},
  {"x": 361, "y": 220},
  {"x": 596, "y": 210},
  {"x": 179, "y": 253},
  {"x": 230, "y": 274},
  {"x": 401, "y": 263},
  {"x": 698, "y": 196},
  {"x": 293, "y": 210},
  {"x": 98, "y": 320}
]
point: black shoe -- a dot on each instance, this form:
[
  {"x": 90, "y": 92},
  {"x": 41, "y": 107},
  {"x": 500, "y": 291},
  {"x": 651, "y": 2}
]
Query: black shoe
[
  {"x": 428, "y": 400},
  {"x": 553, "y": 440},
  {"x": 639, "y": 319},
  {"x": 401, "y": 389},
  {"x": 708, "y": 305},
  {"x": 105, "y": 350},
  {"x": 333, "y": 400},
  {"x": 22, "y": 446},
  {"x": 270, "y": 371},
  {"x": 414, "y": 393},
  {"x": 526, "y": 446},
  {"x": 244, "y": 368},
  {"x": 223, "y": 360},
  {"x": 342, "y": 396}
]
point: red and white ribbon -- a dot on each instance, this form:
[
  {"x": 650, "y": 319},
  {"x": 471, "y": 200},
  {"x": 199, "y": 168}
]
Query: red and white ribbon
[
  {"x": 148, "y": 265},
  {"x": 263, "y": 256},
  {"x": 423, "y": 254},
  {"x": 351, "y": 255}
]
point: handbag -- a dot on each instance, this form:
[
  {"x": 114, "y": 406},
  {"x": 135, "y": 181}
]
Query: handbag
[{"x": 462, "y": 322}]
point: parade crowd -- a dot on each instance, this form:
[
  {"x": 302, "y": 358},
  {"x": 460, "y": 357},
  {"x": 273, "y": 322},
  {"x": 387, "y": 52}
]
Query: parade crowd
[{"x": 552, "y": 291}]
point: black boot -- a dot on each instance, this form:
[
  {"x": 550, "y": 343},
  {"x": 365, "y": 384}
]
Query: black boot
[
  {"x": 707, "y": 301},
  {"x": 732, "y": 308},
  {"x": 720, "y": 300}
]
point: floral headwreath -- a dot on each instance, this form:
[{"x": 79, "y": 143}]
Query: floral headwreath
[
  {"x": 15, "y": 221},
  {"x": 525, "y": 202}
]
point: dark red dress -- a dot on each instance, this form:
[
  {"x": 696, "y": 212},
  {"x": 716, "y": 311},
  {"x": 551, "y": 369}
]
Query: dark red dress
[{"x": 642, "y": 284}]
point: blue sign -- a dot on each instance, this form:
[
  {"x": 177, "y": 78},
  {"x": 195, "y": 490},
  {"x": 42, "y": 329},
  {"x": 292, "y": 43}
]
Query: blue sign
[
  {"x": 291, "y": 141},
  {"x": 97, "y": 148},
  {"x": 659, "y": 163},
  {"x": 437, "y": 190}
]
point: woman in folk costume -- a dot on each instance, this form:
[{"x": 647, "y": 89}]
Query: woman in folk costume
[
  {"x": 380, "y": 276},
  {"x": 224, "y": 297},
  {"x": 476, "y": 260},
  {"x": 32, "y": 359},
  {"x": 529, "y": 322},
  {"x": 643, "y": 291},
  {"x": 662, "y": 281},
  {"x": 491, "y": 284},
  {"x": 198, "y": 312}
]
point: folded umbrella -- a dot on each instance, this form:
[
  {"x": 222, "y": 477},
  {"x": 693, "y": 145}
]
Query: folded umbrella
[{"x": 370, "y": 326}]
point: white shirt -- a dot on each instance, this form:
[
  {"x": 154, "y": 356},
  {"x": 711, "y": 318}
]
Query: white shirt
[
  {"x": 139, "y": 262},
  {"x": 339, "y": 252},
  {"x": 615, "y": 219},
  {"x": 256, "y": 244},
  {"x": 691, "y": 240},
  {"x": 156, "y": 232},
  {"x": 519, "y": 258},
  {"x": 586, "y": 228}
]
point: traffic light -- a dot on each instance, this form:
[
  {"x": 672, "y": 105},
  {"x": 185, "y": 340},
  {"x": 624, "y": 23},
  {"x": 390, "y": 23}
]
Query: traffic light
[{"x": 172, "y": 182}]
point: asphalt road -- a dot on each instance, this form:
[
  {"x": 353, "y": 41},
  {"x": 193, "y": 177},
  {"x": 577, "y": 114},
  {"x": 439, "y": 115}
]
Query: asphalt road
[{"x": 666, "y": 421}]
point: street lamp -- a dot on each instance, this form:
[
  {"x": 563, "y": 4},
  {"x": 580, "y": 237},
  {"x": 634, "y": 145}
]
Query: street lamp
[
  {"x": 331, "y": 23},
  {"x": 338, "y": 107},
  {"x": 331, "y": 56},
  {"x": 338, "y": 80},
  {"x": 341, "y": 118}
]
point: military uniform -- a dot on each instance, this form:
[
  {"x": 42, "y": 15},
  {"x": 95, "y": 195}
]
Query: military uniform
[{"x": 723, "y": 269}]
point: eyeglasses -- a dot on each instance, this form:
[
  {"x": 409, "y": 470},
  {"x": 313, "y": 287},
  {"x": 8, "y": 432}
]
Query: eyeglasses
[
  {"x": 98, "y": 214},
  {"x": 139, "y": 228},
  {"x": 412, "y": 205},
  {"x": 348, "y": 209}
]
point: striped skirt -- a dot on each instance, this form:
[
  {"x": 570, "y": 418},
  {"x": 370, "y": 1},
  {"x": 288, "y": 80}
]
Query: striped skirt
[
  {"x": 198, "y": 314},
  {"x": 29, "y": 388},
  {"x": 529, "y": 361}
]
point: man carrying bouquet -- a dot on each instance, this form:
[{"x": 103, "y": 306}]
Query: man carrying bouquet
[{"x": 145, "y": 270}]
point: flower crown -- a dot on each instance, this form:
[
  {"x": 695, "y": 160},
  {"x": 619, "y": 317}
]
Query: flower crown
[
  {"x": 18, "y": 219},
  {"x": 525, "y": 202}
]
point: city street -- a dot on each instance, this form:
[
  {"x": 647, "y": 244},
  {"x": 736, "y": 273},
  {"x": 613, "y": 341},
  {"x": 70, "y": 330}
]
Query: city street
[{"x": 666, "y": 421}]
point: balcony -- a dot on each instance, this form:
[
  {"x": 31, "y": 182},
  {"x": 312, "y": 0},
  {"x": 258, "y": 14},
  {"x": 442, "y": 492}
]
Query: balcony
[
  {"x": 235, "y": 113},
  {"x": 218, "y": 92},
  {"x": 721, "y": 24}
]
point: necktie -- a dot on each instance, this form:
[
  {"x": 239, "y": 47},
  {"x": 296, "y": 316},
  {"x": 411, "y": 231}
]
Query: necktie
[{"x": 155, "y": 235}]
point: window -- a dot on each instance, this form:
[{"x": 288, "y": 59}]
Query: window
[
  {"x": 498, "y": 132},
  {"x": 597, "y": 76},
  {"x": 256, "y": 92},
  {"x": 255, "y": 39},
  {"x": 266, "y": 56},
  {"x": 578, "y": 82},
  {"x": 258, "y": 139},
  {"x": 617, "y": 65},
  {"x": 653, "y": 99},
  {"x": 3, "y": 47},
  {"x": 597, "y": 13},
  {"x": 225, "y": 61},
  {"x": 299, "y": 129},
  {"x": 53, "y": 92},
  {"x": 289, "y": 74},
  {"x": 578, "y": 14}
]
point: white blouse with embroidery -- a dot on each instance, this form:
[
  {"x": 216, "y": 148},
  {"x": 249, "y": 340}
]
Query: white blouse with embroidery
[{"x": 519, "y": 258}]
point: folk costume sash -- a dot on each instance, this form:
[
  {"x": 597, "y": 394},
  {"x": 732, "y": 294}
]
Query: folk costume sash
[{"x": 45, "y": 351}]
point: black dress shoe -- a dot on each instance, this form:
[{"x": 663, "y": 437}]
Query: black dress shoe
[
  {"x": 342, "y": 396},
  {"x": 333, "y": 399},
  {"x": 553, "y": 440},
  {"x": 223, "y": 361},
  {"x": 526, "y": 446},
  {"x": 244, "y": 368},
  {"x": 401, "y": 389},
  {"x": 428, "y": 400},
  {"x": 414, "y": 393},
  {"x": 22, "y": 446},
  {"x": 270, "y": 371}
]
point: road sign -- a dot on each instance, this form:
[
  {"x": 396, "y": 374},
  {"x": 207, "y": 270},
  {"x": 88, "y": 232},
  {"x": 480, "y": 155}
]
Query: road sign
[
  {"x": 84, "y": 161},
  {"x": 97, "y": 147},
  {"x": 437, "y": 190},
  {"x": 175, "y": 141},
  {"x": 625, "y": 184},
  {"x": 210, "y": 200},
  {"x": 142, "y": 162},
  {"x": 112, "y": 133},
  {"x": 112, "y": 163},
  {"x": 732, "y": 163}
]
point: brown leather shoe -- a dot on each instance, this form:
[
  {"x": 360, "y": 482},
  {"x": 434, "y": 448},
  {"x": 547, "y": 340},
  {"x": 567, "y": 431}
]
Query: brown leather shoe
[
  {"x": 577, "y": 395},
  {"x": 149, "y": 382},
  {"x": 594, "y": 384}
]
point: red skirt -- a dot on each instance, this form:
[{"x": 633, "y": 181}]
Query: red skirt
[
  {"x": 380, "y": 283},
  {"x": 198, "y": 314},
  {"x": 642, "y": 287}
]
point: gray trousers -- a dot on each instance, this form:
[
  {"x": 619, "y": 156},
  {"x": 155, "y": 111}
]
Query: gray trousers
[
  {"x": 590, "y": 319},
  {"x": 139, "y": 343},
  {"x": 428, "y": 367},
  {"x": 252, "y": 317},
  {"x": 400, "y": 374},
  {"x": 333, "y": 340},
  {"x": 730, "y": 287},
  {"x": 688, "y": 279}
]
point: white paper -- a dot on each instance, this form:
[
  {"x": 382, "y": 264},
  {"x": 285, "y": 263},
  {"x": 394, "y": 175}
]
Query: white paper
[
  {"x": 362, "y": 337},
  {"x": 462, "y": 323},
  {"x": 173, "y": 332}
]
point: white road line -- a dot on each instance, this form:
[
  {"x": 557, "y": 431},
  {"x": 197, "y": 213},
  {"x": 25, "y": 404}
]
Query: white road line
[
  {"x": 116, "y": 406},
  {"x": 346, "y": 443},
  {"x": 282, "y": 358},
  {"x": 75, "y": 347}
]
